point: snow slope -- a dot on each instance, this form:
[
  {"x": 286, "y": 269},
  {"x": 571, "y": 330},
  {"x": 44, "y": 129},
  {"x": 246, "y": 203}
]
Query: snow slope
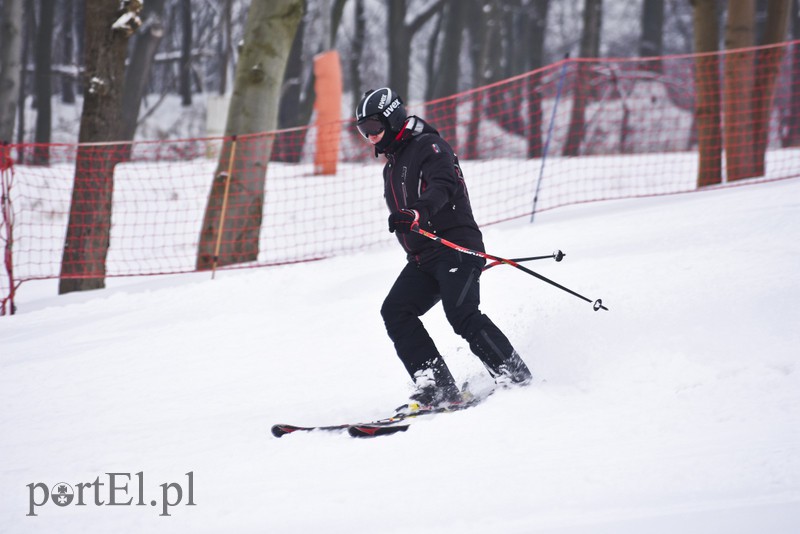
[{"x": 676, "y": 411}]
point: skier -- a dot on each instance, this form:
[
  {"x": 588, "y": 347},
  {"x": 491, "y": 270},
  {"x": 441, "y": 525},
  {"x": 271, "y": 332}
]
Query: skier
[{"x": 424, "y": 185}]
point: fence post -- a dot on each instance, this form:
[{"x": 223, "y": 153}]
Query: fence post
[
  {"x": 221, "y": 228},
  {"x": 7, "y": 306},
  {"x": 328, "y": 103}
]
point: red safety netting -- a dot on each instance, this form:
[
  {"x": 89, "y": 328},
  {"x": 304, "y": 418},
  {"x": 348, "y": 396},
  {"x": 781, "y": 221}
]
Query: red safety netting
[{"x": 577, "y": 131}]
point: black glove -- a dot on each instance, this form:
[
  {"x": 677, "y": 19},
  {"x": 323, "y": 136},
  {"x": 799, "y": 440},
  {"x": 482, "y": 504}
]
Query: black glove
[{"x": 403, "y": 220}]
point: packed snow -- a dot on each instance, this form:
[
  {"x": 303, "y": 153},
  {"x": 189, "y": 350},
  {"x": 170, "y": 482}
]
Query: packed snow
[{"x": 675, "y": 411}]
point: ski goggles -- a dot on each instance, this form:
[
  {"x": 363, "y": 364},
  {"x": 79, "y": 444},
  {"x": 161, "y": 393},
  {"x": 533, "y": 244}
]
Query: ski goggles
[{"x": 370, "y": 126}]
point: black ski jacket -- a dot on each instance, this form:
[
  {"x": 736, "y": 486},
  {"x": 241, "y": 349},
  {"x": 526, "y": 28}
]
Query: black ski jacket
[{"x": 422, "y": 173}]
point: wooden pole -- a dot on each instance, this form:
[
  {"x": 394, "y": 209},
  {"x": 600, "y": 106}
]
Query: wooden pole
[{"x": 228, "y": 177}]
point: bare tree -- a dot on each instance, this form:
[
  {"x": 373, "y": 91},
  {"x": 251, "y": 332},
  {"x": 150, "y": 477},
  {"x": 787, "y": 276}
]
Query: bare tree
[
  {"x": 336, "y": 19},
  {"x": 253, "y": 109},
  {"x": 83, "y": 264},
  {"x": 400, "y": 35},
  {"x": 483, "y": 24},
  {"x": 707, "y": 87},
  {"x": 589, "y": 48},
  {"x": 226, "y": 46},
  {"x": 292, "y": 110},
  {"x": 11, "y": 21},
  {"x": 651, "y": 42},
  {"x": 137, "y": 75},
  {"x": 432, "y": 57},
  {"x": 68, "y": 51},
  {"x": 297, "y": 100},
  {"x": 537, "y": 22},
  {"x": 792, "y": 129},
  {"x": 186, "y": 53},
  {"x": 738, "y": 89},
  {"x": 359, "y": 36},
  {"x": 522, "y": 37},
  {"x": 768, "y": 63},
  {"x": 29, "y": 34},
  {"x": 534, "y": 31},
  {"x": 445, "y": 81},
  {"x": 43, "y": 82}
]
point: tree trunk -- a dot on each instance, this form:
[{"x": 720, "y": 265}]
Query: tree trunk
[
  {"x": 651, "y": 43},
  {"x": 67, "y": 81},
  {"x": 707, "y": 87},
  {"x": 739, "y": 70},
  {"x": 11, "y": 21},
  {"x": 185, "y": 76},
  {"x": 137, "y": 75},
  {"x": 225, "y": 45},
  {"x": 536, "y": 34},
  {"x": 269, "y": 32},
  {"x": 792, "y": 137},
  {"x": 336, "y": 18},
  {"x": 43, "y": 83},
  {"x": 482, "y": 27},
  {"x": 590, "y": 48},
  {"x": 444, "y": 52},
  {"x": 357, "y": 41},
  {"x": 296, "y": 104},
  {"x": 29, "y": 35},
  {"x": 359, "y": 36},
  {"x": 432, "y": 58},
  {"x": 83, "y": 265},
  {"x": 768, "y": 65},
  {"x": 518, "y": 45},
  {"x": 400, "y": 37},
  {"x": 446, "y": 79},
  {"x": 399, "y": 47},
  {"x": 505, "y": 100}
]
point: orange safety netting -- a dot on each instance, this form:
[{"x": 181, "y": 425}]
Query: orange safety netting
[{"x": 576, "y": 131}]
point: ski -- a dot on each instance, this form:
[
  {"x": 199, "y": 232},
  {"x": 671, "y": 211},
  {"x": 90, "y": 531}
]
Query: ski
[
  {"x": 381, "y": 427},
  {"x": 371, "y": 431},
  {"x": 281, "y": 430}
]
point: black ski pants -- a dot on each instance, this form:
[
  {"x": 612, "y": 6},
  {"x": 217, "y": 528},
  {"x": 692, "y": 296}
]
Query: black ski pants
[{"x": 452, "y": 278}]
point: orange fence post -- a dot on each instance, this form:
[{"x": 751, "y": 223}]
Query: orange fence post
[{"x": 328, "y": 105}]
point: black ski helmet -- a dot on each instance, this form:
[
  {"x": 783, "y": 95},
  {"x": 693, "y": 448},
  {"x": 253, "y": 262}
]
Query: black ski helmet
[{"x": 383, "y": 105}]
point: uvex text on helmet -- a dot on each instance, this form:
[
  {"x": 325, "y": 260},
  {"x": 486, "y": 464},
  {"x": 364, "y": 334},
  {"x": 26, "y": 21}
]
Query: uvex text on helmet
[{"x": 383, "y": 104}]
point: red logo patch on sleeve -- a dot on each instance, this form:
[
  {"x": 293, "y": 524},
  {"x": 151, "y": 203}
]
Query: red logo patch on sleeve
[{"x": 436, "y": 148}]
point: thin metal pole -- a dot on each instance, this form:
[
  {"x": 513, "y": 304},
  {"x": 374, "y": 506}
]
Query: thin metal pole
[{"x": 549, "y": 134}]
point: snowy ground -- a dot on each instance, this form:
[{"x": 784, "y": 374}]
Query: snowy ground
[{"x": 676, "y": 411}]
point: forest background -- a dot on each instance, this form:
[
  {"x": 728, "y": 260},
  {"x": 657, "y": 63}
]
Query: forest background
[{"x": 182, "y": 58}]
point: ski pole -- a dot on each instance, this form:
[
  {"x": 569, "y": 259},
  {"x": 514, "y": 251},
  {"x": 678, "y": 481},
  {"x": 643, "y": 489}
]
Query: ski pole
[
  {"x": 596, "y": 305},
  {"x": 557, "y": 255}
]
